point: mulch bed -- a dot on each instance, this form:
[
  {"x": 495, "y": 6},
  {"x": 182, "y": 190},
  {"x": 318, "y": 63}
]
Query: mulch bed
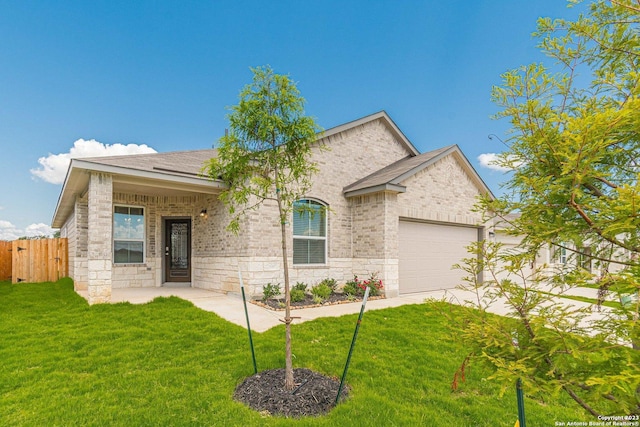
[
  {"x": 315, "y": 394},
  {"x": 277, "y": 304}
]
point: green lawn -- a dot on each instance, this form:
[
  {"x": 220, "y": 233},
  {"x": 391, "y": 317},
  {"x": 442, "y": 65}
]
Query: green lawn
[{"x": 63, "y": 363}]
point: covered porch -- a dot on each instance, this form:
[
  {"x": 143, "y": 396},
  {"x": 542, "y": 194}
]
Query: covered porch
[{"x": 131, "y": 220}]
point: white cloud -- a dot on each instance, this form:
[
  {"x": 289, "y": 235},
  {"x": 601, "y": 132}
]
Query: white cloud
[
  {"x": 8, "y": 231},
  {"x": 489, "y": 161},
  {"x": 38, "y": 230},
  {"x": 54, "y": 167}
]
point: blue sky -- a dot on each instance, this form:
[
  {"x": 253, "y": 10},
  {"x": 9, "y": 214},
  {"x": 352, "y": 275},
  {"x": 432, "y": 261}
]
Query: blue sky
[{"x": 83, "y": 78}]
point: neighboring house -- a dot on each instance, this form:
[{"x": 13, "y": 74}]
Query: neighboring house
[
  {"x": 152, "y": 220},
  {"x": 597, "y": 260}
]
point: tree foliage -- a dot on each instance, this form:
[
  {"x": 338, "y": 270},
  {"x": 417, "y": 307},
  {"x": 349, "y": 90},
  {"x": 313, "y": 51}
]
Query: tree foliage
[
  {"x": 574, "y": 148},
  {"x": 265, "y": 157},
  {"x": 265, "y": 154}
]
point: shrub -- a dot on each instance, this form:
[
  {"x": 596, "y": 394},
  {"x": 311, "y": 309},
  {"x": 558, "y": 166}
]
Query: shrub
[
  {"x": 331, "y": 283},
  {"x": 351, "y": 287},
  {"x": 297, "y": 295},
  {"x": 270, "y": 291},
  {"x": 300, "y": 286},
  {"x": 320, "y": 292}
]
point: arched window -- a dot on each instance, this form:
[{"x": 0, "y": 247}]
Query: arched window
[{"x": 309, "y": 232}]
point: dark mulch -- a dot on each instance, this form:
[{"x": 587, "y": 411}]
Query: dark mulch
[{"x": 315, "y": 394}]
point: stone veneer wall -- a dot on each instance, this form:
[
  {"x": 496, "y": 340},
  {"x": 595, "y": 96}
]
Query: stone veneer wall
[
  {"x": 375, "y": 238},
  {"x": 81, "y": 269},
  {"x": 99, "y": 237},
  {"x": 352, "y": 155},
  {"x": 75, "y": 229},
  {"x": 68, "y": 230}
]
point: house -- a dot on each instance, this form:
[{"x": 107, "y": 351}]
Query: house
[
  {"x": 152, "y": 220},
  {"x": 597, "y": 259}
]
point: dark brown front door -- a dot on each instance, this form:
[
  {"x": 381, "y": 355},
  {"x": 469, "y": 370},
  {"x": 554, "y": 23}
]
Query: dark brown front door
[{"x": 177, "y": 251}]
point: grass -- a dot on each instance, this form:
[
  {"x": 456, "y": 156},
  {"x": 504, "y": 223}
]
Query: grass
[{"x": 170, "y": 363}]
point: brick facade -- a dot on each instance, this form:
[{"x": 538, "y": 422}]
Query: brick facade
[
  {"x": 362, "y": 232},
  {"x": 442, "y": 192}
]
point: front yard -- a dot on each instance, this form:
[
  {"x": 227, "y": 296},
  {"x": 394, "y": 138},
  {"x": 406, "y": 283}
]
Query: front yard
[{"x": 170, "y": 363}]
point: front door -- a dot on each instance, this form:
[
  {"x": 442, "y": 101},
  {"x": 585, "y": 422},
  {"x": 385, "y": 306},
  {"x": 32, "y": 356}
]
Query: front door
[{"x": 177, "y": 250}]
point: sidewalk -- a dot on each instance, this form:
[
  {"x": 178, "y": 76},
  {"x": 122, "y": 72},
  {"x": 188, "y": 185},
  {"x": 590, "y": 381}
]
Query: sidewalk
[{"x": 229, "y": 306}]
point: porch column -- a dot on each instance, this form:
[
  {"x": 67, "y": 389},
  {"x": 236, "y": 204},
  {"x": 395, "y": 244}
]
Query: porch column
[
  {"x": 99, "y": 248},
  {"x": 391, "y": 272}
]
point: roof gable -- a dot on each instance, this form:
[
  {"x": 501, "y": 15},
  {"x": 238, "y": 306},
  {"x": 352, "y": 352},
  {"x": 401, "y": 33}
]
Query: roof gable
[
  {"x": 188, "y": 162},
  {"x": 172, "y": 170},
  {"x": 390, "y": 178},
  {"x": 386, "y": 120},
  {"x": 184, "y": 168}
]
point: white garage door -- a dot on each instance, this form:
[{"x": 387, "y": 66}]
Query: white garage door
[{"x": 427, "y": 252}]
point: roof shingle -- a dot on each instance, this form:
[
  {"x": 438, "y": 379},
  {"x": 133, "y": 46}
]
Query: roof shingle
[
  {"x": 188, "y": 163},
  {"x": 397, "y": 172}
]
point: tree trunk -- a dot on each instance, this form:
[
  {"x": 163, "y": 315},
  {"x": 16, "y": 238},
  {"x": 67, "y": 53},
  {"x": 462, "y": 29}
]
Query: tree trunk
[{"x": 288, "y": 365}]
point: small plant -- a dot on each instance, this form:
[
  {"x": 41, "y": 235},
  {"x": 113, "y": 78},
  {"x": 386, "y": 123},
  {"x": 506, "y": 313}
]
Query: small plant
[
  {"x": 297, "y": 295},
  {"x": 331, "y": 283},
  {"x": 321, "y": 291},
  {"x": 358, "y": 287},
  {"x": 269, "y": 291},
  {"x": 351, "y": 287},
  {"x": 374, "y": 284},
  {"x": 300, "y": 286}
]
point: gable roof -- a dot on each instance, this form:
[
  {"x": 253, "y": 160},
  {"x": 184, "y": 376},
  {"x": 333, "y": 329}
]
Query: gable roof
[
  {"x": 390, "y": 177},
  {"x": 188, "y": 163},
  {"x": 386, "y": 120},
  {"x": 180, "y": 171},
  {"x": 177, "y": 171}
]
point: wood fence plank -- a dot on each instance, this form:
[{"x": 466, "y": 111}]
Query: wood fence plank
[
  {"x": 63, "y": 260},
  {"x": 5, "y": 260},
  {"x": 52, "y": 268}
]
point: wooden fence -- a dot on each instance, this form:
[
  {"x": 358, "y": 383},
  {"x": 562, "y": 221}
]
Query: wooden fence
[
  {"x": 39, "y": 260},
  {"x": 5, "y": 260}
]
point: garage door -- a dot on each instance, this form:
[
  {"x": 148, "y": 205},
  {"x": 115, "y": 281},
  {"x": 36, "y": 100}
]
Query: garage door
[{"x": 427, "y": 252}]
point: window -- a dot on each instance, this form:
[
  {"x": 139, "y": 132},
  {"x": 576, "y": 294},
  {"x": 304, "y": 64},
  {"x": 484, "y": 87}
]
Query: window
[
  {"x": 128, "y": 235},
  {"x": 309, "y": 232},
  {"x": 560, "y": 255},
  {"x": 585, "y": 259}
]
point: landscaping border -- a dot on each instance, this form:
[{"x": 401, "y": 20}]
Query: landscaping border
[{"x": 324, "y": 304}]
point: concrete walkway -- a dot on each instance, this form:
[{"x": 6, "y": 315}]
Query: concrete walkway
[{"x": 229, "y": 306}]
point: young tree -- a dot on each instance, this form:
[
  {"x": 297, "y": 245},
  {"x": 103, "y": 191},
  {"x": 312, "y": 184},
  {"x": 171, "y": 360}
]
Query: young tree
[
  {"x": 265, "y": 156},
  {"x": 574, "y": 149}
]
